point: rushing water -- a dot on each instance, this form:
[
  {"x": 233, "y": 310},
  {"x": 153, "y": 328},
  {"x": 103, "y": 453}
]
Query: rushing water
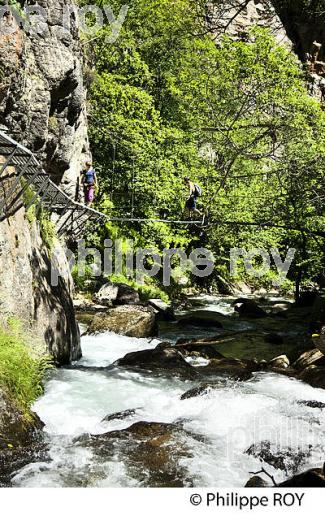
[{"x": 230, "y": 418}]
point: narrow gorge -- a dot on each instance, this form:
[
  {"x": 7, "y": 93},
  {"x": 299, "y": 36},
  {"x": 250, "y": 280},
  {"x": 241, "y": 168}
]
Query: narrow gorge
[{"x": 122, "y": 380}]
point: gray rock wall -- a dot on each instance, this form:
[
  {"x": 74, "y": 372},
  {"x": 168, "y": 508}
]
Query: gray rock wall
[
  {"x": 43, "y": 105},
  {"x": 42, "y": 92},
  {"x": 26, "y": 290}
]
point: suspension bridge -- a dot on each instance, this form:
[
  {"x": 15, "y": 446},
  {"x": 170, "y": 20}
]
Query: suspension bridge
[{"x": 24, "y": 182}]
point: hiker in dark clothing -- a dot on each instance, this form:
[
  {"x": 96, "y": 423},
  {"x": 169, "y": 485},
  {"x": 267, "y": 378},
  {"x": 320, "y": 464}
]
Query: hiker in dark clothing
[
  {"x": 89, "y": 182},
  {"x": 194, "y": 193}
]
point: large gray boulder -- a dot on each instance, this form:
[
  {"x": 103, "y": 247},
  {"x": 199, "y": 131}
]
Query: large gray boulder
[
  {"x": 117, "y": 294},
  {"x": 249, "y": 309},
  {"x": 107, "y": 294},
  {"x": 129, "y": 320}
]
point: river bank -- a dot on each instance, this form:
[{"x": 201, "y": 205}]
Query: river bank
[{"x": 113, "y": 425}]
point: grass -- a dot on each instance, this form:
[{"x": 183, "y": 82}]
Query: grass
[{"x": 20, "y": 374}]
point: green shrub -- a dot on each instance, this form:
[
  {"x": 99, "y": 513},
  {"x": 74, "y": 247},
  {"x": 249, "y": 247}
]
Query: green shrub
[
  {"x": 47, "y": 229},
  {"x": 146, "y": 291},
  {"x": 20, "y": 374},
  {"x": 83, "y": 282}
]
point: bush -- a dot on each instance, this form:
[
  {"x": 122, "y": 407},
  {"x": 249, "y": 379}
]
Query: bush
[
  {"x": 47, "y": 230},
  {"x": 20, "y": 374},
  {"x": 146, "y": 291}
]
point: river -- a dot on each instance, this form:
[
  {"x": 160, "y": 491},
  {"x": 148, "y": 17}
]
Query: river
[{"x": 229, "y": 419}]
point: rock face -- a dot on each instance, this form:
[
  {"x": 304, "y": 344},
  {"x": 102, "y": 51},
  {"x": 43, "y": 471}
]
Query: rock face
[
  {"x": 130, "y": 320},
  {"x": 237, "y": 17},
  {"x": 302, "y": 27},
  {"x": 20, "y": 439},
  {"x": 295, "y": 24},
  {"x": 14, "y": 428},
  {"x": 42, "y": 92},
  {"x": 27, "y": 293}
]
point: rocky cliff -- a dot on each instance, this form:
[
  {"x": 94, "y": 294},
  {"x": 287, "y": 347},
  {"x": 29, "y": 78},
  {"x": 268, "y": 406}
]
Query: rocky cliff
[
  {"x": 26, "y": 290},
  {"x": 43, "y": 106},
  {"x": 304, "y": 23},
  {"x": 42, "y": 92},
  {"x": 296, "y": 24}
]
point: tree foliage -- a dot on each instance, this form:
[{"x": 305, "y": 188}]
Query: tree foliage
[{"x": 168, "y": 101}]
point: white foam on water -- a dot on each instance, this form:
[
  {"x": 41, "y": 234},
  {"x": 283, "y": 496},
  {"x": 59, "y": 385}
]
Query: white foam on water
[
  {"x": 228, "y": 420},
  {"x": 103, "y": 349}
]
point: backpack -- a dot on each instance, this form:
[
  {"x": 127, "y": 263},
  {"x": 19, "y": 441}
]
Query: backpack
[{"x": 198, "y": 190}]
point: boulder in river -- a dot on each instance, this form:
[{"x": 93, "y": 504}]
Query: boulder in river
[
  {"x": 204, "y": 348},
  {"x": 281, "y": 307},
  {"x": 162, "y": 310},
  {"x": 117, "y": 294},
  {"x": 285, "y": 459},
  {"x": 153, "y": 453},
  {"x": 127, "y": 295},
  {"x": 158, "y": 359},
  {"x": 313, "y": 478},
  {"x": 256, "y": 482},
  {"x": 20, "y": 439},
  {"x": 107, "y": 294},
  {"x": 279, "y": 362},
  {"x": 202, "y": 319},
  {"x": 312, "y": 404},
  {"x": 249, "y": 309},
  {"x": 307, "y": 359},
  {"x": 314, "y": 376},
  {"x": 239, "y": 369},
  {"x": 130, "y": 320},
  {"x": 319, "y": 340},
  {"x": 119, "y": 416},
  {"x": 203, "y": 389}
]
